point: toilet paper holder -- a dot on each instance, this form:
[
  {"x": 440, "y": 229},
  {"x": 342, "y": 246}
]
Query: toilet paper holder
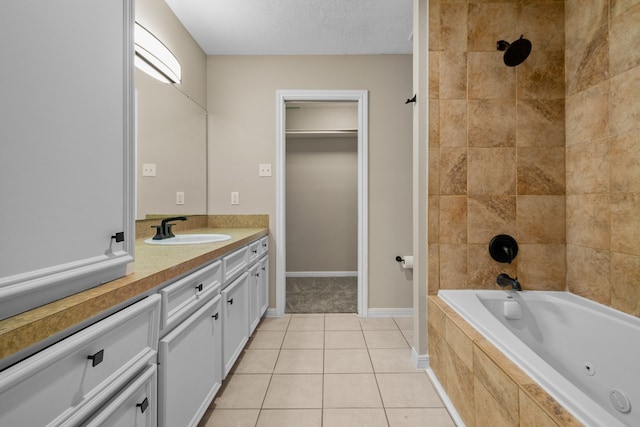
[{"x": 406, "y": 261}]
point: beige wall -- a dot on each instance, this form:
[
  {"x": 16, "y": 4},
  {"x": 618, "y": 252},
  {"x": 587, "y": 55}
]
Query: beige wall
[
  {"x": 241, "y": 103},
  {"x": 603, "y": 152},
  {"x": 322, "y": 204},
  {"x": 171, "y": 121},
  {"x": 496, "y": 144}
]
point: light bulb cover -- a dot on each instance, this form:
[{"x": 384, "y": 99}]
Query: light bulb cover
[{"x": 154, "y": 58}]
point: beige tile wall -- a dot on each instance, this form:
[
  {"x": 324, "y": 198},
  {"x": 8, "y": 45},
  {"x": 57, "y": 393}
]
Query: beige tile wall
[
  {"x": 603, "y": 151},
  {"x": 497, "y": 160},
  {"x": 548, "y": 151}
]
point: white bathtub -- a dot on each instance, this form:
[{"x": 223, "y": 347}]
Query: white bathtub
[{"x": 584, "y": 354}]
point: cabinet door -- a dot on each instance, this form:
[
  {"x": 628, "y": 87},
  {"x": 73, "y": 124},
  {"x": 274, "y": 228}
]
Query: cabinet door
[
  {"x": 190, "y": 363},
  {"x": 254, "y": 297},
  {"x": 135, "y": 406},
  {"x": 66, "y": 170},
  {"x": 235, "y": 322},
  {"x": 263, "y": 293}
]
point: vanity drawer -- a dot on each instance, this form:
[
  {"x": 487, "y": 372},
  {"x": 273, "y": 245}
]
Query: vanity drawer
[
  {"x": 263, "y": 248},
  {"x": 183, "y": 297},
  {"x": 254, "y": 251},
  {"x": 234, "y": 264},
  {"x": 69, "y": 377},
  {"x": 135, "y": 406}
]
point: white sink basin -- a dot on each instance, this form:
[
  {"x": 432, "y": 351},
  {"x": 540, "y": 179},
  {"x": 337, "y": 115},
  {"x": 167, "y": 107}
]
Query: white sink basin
[{"x": 190, "y": 239}]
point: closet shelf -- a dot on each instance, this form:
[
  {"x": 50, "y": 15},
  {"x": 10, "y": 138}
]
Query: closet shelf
[{"x": 314, "y": 133}]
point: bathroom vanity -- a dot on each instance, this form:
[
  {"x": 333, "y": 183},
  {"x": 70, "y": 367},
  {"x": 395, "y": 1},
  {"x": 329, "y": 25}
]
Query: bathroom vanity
[{"x": 156, "y": 358}]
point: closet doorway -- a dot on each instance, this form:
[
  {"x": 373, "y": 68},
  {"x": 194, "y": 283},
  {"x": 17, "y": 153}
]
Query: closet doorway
[{"x": 321, "y": 212}]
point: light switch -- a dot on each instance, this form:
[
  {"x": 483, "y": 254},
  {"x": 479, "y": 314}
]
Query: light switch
[
  {"x": 148, "y": 169},
  {"x": 264, "y": 169},
  {"x": 235, "y": 198},
  {"x": 180, "y": 198}
]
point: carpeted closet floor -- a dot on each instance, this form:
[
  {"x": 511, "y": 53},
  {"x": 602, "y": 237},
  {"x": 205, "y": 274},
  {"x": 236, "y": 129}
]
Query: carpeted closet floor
[{"x": 322, "y": 295}]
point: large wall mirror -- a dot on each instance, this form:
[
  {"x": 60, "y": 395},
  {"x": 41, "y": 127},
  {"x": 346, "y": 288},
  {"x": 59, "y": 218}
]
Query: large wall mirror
[{"x": 171, "y": 134}]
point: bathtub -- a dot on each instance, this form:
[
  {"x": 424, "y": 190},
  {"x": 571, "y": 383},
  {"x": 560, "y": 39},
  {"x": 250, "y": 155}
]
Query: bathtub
[{"x": 584, "y": 354}]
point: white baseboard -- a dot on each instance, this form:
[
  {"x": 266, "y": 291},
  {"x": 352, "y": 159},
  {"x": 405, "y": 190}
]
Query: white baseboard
[
  {"x": 321, "y": 274},
  {"x": 390, "y": 312},
  {"x": 421, "y": 361},
  {"x": 271, "y": 312},
  {"x": 445, "y": 398}
]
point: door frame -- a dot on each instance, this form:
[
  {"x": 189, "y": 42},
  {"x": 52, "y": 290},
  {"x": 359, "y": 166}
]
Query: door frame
[{"x": 361, "y": 97}]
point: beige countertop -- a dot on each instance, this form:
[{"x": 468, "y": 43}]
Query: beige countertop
[{"x": 154, "y": 265}]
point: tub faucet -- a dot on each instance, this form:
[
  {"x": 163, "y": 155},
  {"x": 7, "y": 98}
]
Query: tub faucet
[
  {"x": 163, "y": 231},
  {"x": 505, "y": 280}
]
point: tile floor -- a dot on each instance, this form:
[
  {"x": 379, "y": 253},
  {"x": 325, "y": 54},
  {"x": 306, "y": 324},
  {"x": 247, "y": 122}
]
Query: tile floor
[{"x": 327, "y": 370}]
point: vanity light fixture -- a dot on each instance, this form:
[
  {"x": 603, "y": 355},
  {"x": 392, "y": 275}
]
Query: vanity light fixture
[{"x": 154, "y": 58}]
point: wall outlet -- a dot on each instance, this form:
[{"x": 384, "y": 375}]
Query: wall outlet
[
  {"x": 264, "y": 169},
  {"x": 180, "y": 198},
  {"x": 235, "y": 198},
  {"x": 148, "y": 169}
]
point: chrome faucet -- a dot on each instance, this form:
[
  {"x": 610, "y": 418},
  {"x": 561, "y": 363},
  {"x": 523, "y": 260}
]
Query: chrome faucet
[
  {"x": 505, "y": 280},
  {"x": 163, "y": 231}
]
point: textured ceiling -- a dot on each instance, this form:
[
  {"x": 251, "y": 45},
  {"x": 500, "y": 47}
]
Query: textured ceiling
[{"x": 297, "y": 27}]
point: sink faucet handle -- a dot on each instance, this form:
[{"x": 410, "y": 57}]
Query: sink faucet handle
[
  {"x": 159, "y": 232},
  {"x": 167, "y": 230}
]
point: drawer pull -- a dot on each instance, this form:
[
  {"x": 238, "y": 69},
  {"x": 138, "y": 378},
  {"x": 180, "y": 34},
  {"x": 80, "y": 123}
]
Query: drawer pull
[
  {"x": 215, "y": 316},
  {"x": 255, "y": 251},
  {"x": 144, "y": 405},
  {"x": 257, "y": 274},
  {"x": 230, "y": 301},
  {"x": 96, "y": 358},
  {"x": 199, "y": 287},
  {"x": 264, "y": 245},
  {"x": 264, "y": 268}
]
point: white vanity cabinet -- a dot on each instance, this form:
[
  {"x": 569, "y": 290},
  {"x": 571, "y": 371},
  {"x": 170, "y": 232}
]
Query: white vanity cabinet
[
  {"x": 190, "y": 349},
  {"x": 258, "y": 281},
  {"x": 263, "y": 292},
  {"x": 254, "y": 296},
  {"x": 67, "y": 148},
  {"x": 235, "y": 320},
  {"x": 258, "y": 292},
  {"x": 190, "y": 364},
  {"x": 70, "y": 381}
]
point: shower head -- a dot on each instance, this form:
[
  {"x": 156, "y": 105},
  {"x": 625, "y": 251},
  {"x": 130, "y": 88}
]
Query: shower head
[{"x": 515, "y": 53}]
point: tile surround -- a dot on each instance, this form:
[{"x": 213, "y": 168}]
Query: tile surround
[{"x": 569, "y": 190}]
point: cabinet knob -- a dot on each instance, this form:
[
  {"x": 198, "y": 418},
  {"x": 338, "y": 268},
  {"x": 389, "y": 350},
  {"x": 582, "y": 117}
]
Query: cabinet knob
[
  {"x": 230, "y": 301},
  {"x": 264, "y": 268},
  {"x": 215, "y": 316},
  {"x": 96, "y": 358},
  {"x": 258, "y": 274},
  {"x": 199, "y": 287},
  {"x": 144, "y": 405},
  {"x": 255, "y": 251},
  {"x": 118, "y": 237}
]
